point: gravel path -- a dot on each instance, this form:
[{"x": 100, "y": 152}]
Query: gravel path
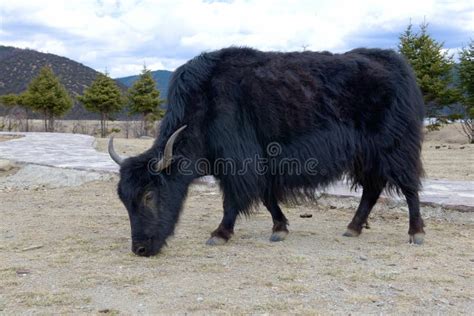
[
  {"x": 72, "y": 151},
  {"x": 76, "y": 151}
]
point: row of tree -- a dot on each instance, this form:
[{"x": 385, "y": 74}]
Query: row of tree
[
  {"x": 433, "y": 66},
  {"x": 105, "y": 98},
  {"x": 46, "y": 95}
]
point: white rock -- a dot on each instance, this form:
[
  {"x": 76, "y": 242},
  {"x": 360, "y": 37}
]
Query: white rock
[{"x": 6, "y": 165}]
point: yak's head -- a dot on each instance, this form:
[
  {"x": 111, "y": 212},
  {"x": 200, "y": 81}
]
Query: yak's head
[{"x": 153, "y": 191}]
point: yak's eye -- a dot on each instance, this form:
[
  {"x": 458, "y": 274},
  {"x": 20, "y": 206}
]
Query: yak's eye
[{"x": 148, "y": 198}]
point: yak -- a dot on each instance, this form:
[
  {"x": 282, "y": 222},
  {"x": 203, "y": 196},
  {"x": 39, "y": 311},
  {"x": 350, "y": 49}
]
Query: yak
[{"x": 356, "y": 116}]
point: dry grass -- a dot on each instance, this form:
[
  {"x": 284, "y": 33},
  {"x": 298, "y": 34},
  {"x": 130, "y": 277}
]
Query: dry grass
[
  {"x": 448, "y": 134},
  {"x": 85, "y": 264},
  {"x": 124, "y": 146},
  {"x": 67, "y": 251},
  {"x": 90, "y": 127},
  {"x": 4, "y": 138},
  {"x": 448, "y": 161}
]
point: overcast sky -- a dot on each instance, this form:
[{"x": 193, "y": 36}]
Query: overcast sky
[{"x": 122, "y": 35}]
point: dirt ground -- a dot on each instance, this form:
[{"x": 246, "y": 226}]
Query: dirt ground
[
  {"x": 4, "y": 138},
  {"x": 67, "y": 250},
  {"x": 445, "y": 155},
  {"x": 448, "y": 161}
]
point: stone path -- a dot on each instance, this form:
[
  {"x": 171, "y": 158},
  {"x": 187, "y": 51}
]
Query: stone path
[
  {"x": 459, "y": 194},
  {"x": 76, "y": 151},
  {"x": 73, "y": 151}
]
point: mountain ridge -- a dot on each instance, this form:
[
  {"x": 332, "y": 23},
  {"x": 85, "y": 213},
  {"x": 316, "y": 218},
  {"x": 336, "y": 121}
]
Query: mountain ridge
[{"x": 161, "y": 77}]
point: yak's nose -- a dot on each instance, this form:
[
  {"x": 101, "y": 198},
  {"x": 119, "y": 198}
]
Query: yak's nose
[{"x": 142, "y": 248}]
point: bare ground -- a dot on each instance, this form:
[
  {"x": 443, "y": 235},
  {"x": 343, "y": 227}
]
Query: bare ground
[
  {"x": 448, "y": 161},
  {"x": 4, "y": 138},
  {"x": 67, "y": 250}
]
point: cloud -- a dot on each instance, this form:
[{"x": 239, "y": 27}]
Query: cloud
[{"x": 122, "y": 35}]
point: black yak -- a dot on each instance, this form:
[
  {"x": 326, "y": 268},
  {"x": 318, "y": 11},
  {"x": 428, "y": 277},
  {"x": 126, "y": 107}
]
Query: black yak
[{"x": 356, "y": 115}]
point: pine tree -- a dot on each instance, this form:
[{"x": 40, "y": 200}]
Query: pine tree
[
  {"x": 10, "y": 99},
  {"x": 13, "y": 100},
  {"x": 433, "y": 69},
  {"x": 466, "y": 86},
  {"x": 103, "y": 97},
  {"x": 144, "y": 98},
  {"x": 46, "y": 95}
]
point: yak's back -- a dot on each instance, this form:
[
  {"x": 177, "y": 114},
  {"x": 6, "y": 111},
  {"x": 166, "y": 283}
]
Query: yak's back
[
  {"x": 286, "y": 94},
  {"x": 297, "y": 92}
]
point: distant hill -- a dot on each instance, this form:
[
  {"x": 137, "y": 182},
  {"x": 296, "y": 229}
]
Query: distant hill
[
  {"x": 19, "y": 66},
  {"x": 162, "y": 78}
]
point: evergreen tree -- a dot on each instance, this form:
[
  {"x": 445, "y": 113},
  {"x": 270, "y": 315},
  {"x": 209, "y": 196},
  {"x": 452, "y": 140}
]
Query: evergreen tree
[
  {"x": 432, "y": 67},
  {"x": 10, "y": 99},
  {"x": 13, "y": 100},
  {"x": 103, "y": 97},
  {"x": 144, "y": 98},
  {"x": 466, "y": 86},
  {"x": 46, "y": 95}
]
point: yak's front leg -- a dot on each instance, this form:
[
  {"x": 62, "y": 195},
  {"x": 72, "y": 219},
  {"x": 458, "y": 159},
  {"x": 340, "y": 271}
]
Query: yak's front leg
[{"x": 226, "y": 228}]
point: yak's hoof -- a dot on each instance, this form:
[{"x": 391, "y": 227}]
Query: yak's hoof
[
  {"x": 216, "y": 241},
  {"x": 417, "y": 238},
  {"x": 351, "y": 233},
  {"x": 279, "y": 235}
]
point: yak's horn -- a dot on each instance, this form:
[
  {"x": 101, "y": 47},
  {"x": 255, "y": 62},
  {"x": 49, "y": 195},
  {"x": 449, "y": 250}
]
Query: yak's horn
[
  {"x": 115, "y": 157},
  {"x": 168, "y": 152}
]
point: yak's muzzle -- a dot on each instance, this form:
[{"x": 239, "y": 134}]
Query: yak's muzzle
[{"x": 143, "y": 248}]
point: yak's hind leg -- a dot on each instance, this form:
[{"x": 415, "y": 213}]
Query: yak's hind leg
[
  {"x": 416, "y": 231},
  {"x": 280, "y": 230},
  {"x": 407, "y": 179},
  {"x": 370, "y": 195}
]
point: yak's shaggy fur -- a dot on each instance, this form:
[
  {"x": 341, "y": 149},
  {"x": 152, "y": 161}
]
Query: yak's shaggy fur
[{"x": 358, "y": 114}]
